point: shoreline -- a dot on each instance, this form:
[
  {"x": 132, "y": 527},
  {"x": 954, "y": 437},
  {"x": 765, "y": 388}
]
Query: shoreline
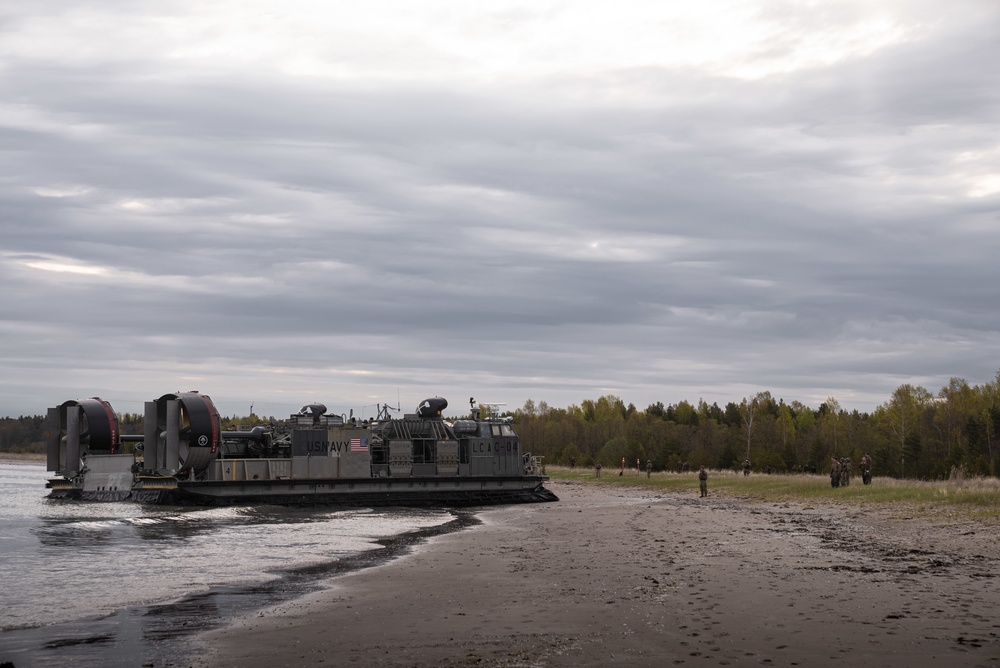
[
  {"x": 162, "y": 633},
  {"x": 638, "y": 577}
]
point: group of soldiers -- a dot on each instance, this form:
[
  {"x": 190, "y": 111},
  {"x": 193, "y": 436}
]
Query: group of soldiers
[
  {"x": 702, "y": 473},
  {"x": 840, "y": 471},
  {"x": 597, "y": 467}
]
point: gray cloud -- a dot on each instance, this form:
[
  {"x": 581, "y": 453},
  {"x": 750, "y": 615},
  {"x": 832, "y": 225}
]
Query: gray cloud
[{"x": 658, "y": 232}]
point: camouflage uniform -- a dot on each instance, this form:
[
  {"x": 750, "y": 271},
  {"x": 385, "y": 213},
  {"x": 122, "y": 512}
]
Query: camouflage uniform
[
  {"x": 703, "y": 481},
  {"x": 845, "y": 471}
]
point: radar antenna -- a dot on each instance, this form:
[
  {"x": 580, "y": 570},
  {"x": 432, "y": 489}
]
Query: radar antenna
[
  {"x": 494, "y": 408},
  {"x": 383, "y": 411}
]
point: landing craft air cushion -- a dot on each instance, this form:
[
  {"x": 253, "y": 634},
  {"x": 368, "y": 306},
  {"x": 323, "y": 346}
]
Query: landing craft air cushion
[{"x": 312, "y": 458}]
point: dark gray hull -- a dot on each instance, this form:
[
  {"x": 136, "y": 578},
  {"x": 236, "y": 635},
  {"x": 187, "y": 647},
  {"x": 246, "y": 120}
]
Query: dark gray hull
[{"x": 411, "y": 492}]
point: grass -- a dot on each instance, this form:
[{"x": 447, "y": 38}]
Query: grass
[
  {"x": 23, "y": 456},
  {"x": 976, "y": 498}
]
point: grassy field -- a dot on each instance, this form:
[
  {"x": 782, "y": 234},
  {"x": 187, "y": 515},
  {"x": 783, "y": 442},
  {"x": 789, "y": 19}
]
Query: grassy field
[
  {"x": 979, "y": 498},
  {"x": 23, "y": 456}
]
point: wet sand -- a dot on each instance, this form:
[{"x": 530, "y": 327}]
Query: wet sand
[{"x": 630, "y": 577}]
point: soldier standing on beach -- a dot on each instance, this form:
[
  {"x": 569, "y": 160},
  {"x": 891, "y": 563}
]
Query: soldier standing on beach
[
  {"x": 746, "y": 466},
  {"x": 703, "y": 481},
  {"x": 598, "y": 469},
  {"x": 866, "y": 469},
  {"x": 649, "y": 468}
]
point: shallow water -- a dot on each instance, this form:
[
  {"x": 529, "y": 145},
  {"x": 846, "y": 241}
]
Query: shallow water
[{"x": 63, "y": 563}]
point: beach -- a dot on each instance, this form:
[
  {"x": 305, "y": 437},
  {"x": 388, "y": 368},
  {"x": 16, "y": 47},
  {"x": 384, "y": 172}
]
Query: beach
[{"x": 623, "y": 576}]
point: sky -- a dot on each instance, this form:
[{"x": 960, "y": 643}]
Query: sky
[{"x": 363, "y": 203}]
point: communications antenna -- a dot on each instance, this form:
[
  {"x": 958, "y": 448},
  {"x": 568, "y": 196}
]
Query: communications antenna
[
  {"x": 494, "y": 408},
  {"x": 383, "y": 411}
]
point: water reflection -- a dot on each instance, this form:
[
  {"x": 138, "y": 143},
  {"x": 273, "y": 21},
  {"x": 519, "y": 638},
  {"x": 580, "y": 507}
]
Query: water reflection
[{"x": 64, "y": 560}]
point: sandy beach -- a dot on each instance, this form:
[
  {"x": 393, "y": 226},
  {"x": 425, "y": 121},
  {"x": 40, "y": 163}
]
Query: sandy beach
[{"x": 617, "y": 576}]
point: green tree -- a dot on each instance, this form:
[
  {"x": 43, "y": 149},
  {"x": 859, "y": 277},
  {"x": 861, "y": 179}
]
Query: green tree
[
  {"x": 785, "y": 424},
  {"x": 749, "y": 410},
  {"x": 901, "y": 416}
]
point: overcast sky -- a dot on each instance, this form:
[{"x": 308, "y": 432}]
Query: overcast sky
[{"x": 283, "y": 202}]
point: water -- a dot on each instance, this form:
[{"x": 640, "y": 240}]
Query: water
[{"x": 155, "y": 572}]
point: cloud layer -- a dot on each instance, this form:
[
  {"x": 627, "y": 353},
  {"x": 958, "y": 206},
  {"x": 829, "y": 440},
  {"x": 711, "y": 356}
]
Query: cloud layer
[{"x": 281, "y": 203}]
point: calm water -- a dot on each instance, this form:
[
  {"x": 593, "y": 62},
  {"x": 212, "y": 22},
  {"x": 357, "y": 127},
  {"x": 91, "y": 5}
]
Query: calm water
[{"x": 62, "y": 562}]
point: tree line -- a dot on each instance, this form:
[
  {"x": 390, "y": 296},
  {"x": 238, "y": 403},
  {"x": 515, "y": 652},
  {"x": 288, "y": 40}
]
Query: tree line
[{"x": 914, "y": 434}]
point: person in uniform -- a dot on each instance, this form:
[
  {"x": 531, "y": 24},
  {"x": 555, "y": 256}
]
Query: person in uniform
[
  {"x": 866, "y": 469},
  {"x": 598, "y": 469},
  {"x": 746, "y": 466},
  {"x": 703, "y": 481},
  {"x": 649, "y": 468}
]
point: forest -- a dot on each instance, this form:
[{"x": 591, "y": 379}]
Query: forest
[{"x": 914, "y": 434}]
